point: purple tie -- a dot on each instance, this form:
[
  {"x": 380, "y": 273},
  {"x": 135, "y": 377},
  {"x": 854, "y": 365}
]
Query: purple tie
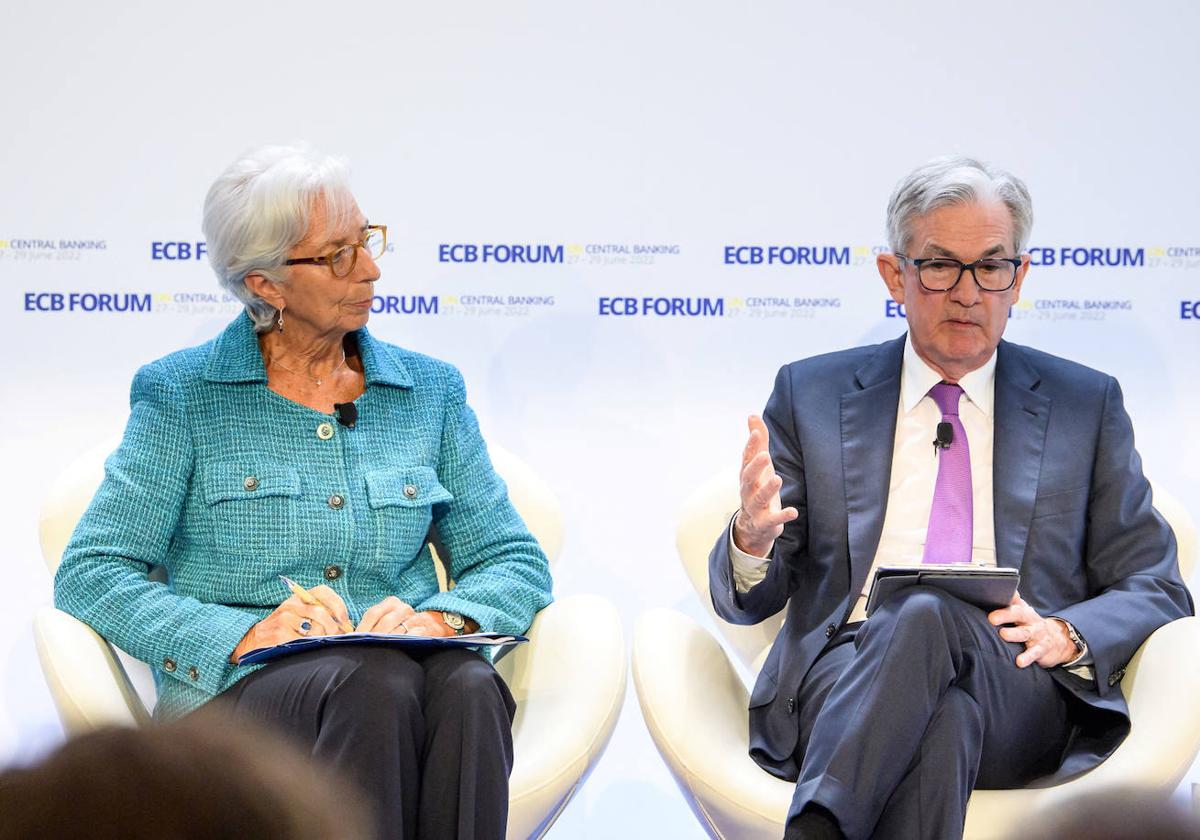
[{"x": 951, "y": 518}]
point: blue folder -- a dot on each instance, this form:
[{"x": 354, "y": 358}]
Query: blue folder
[{"x": 469, "y": 640}]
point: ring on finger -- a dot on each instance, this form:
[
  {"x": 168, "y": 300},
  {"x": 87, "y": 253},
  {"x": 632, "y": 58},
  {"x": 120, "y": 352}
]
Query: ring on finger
[
  {"x": 305, "y": 627},
  {"x": 403, "y": 628}
]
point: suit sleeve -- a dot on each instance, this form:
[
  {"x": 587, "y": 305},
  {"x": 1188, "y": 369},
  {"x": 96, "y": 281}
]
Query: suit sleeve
[
  {"x": 1131, "y": 557},
  {"x": 103, "y": 579},
  {"x": 501, "y": 575},
  {"x": 771, "y": 594}
]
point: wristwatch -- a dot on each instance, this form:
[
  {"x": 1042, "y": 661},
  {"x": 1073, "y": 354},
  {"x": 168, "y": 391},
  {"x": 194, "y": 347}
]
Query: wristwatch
[
  {"x": 1073, "y": 634},
  {"x": 455, "y": 622}
]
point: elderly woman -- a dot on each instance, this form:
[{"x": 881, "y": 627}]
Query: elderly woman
[{"x": 294, "y": 443}]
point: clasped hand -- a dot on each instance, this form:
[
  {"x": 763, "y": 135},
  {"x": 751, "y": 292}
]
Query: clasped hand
[
  {"x": 289, "y": 619},
  {"x": 1046, "y": 640}
]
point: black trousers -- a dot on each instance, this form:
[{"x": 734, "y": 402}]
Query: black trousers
[
  {"x": 426, "y": 735},
  {"x": 901, "y": 718}
]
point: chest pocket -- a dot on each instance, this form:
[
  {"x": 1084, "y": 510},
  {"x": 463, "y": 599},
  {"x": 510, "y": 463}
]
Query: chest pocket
[
  {"x": 251, "y": 508},
  {"x": 401, "y": 501}
]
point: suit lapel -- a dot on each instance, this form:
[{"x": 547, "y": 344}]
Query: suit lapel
[
  {"x": 868, "y": 419},
  {"x": 1021, "y": 416}
]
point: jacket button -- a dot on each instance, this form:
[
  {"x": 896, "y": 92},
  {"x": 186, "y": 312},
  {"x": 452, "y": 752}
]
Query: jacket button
[
  {"x": 333, "y": 572},
  {"x": 193, "y": 673},
  {"x": 251, "y": 483},
  {"x": 325, "y": 431},
  {"x": 791, "y": 705},
  {"x": 337, "y": 501},
  {"x": 830, "y": 630},
  {"x": 410, "y": 490},
  {"x": 169, "y": 665}
]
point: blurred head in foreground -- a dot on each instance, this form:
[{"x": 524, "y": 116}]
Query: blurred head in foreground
[{"x": 194, "y": 778}]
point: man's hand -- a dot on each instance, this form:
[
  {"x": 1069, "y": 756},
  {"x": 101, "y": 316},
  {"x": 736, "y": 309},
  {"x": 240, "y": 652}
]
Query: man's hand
[
  {"x": 1045, "y": 639},
  {"x": 761, "y": 518}
]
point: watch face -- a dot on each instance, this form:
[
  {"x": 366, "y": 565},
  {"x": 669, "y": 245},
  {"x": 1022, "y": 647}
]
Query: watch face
[{"x": 454, "y": 621}]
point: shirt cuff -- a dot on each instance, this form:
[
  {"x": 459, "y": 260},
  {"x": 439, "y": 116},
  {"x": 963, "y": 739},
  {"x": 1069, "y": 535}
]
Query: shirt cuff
[
  {"x": 1081, "y": 665},
  {"x": 748, "y": 569}
]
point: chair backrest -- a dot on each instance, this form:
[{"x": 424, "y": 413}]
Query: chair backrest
[
  {"x": 705, "y": 514},
  {"x": 72, "y": 492},
  {"x": 709, "y": 509}
]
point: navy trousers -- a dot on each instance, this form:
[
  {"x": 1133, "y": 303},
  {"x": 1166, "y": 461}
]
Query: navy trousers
[
  {"x": 426, "y": 735},
  {"x": 903, "y": 716}
]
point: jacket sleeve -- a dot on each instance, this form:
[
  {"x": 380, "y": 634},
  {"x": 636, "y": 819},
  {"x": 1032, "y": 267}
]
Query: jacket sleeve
[
  {"x": 500, "y": 572},
  {"x": 125, "y": 532},
  {"x": 1131, "y": 557},
  {"x": 771, "y": 594}
]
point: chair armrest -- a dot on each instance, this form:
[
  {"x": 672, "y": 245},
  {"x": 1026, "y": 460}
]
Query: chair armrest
[
  {"x": 569, "y": 684},
  {"x": 1161, "y": 685},
  {"x": 87, "y": 682},
  {"x": 695, "y": 707}
]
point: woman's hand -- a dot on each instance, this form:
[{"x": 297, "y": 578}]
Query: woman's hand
[
  {"x": 385, "y": 617},
  {"x": 291, "y": 618},
  {"x": 428, "y": 623},
  {"x": 391, "y": 615}
]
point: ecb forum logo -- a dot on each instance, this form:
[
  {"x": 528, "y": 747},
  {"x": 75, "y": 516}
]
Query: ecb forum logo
[
  {"x": 1046, "y": 309},
  {"x": 619, "y": 253},
  {"x": 662, "y": 307},
  {"x": 1071, "y": 256},
  {"x": 496, "y": 305},
  {"x": 177, "y": 251},
  {"x": 777, "y": 306},
  {"x": 31, "y": 249},
  {"x": 462, "y": 253},
  {"x": 799, "y": 255}
]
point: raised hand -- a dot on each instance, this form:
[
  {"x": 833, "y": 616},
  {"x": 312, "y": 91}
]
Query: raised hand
[{"x": 761, "y": 518}]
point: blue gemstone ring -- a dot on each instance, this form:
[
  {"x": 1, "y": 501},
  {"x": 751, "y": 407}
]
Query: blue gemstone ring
[{"x": 305, "y": 626}]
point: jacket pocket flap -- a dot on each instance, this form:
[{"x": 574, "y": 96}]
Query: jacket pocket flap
[
  {"x": 1063, "y": 501},
  {"x": 405, "y": 487},
  {"x": 229, "y": 481}
]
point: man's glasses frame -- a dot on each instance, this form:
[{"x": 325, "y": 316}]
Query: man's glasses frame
[
  {"x": 337, "y": 257},
  {"x": 922, "y": 263}
]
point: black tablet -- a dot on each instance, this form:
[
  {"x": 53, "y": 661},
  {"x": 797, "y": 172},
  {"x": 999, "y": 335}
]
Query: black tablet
[{"x": 987, "y": 587}]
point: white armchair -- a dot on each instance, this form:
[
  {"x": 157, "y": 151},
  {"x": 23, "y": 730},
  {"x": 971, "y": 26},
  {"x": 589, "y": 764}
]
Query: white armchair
[
  {"x": 695, "y": 702},
  {"x": 568, "y": 682}
]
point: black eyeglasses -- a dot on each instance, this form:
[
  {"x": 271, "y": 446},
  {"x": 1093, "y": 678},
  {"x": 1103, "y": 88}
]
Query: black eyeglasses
[
  {"x": 941, "y": 274},
  {"x": 342, "y": 261}
]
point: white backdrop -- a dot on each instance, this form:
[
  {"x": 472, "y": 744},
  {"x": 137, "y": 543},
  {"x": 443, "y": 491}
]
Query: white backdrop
[{"x": 643, "y": 144}]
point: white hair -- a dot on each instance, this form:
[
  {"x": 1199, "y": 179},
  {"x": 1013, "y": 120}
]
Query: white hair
[
  {"x": 956, "y": 180},
  {"x": 259, "y": 208}
]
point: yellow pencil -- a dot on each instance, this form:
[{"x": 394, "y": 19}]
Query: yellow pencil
[{"x": 312, "y": 600}]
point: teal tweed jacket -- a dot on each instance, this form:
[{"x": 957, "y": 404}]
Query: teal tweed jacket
[{"x": 227, "y": 485}]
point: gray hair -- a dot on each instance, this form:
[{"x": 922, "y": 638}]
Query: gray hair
[
  {"x": 956, "y": 180},
  {"x": 259, "y": 208}
]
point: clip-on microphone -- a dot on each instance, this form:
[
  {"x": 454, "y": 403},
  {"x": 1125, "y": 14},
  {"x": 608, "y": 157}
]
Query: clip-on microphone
[
  {"x": 945, "y": 437},
  {"x": 347, "y": 414}
]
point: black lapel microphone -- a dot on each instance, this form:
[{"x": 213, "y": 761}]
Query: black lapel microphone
[
  {"x": 945, "y": 436},
  {"x": 347, "y": 415}
]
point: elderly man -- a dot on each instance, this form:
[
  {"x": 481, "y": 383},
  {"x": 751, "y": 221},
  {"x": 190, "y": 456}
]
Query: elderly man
[{"x": 887, "y": 724}]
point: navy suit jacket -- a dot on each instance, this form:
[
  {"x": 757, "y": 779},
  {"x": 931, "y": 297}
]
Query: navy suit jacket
[{"x": 1072, "y": 511}]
